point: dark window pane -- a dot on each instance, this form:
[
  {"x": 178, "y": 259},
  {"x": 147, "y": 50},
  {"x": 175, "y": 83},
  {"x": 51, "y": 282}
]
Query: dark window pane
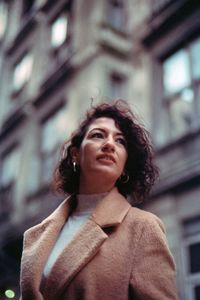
[
  {"x": 197, "y": 292},
  {"x": 117, "y": 86},
  {"x": 194, "y": 251},
  {"x": 27, "y": 6}
]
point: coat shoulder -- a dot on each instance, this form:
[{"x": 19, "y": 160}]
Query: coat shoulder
[{"x": 144, "y": 218}]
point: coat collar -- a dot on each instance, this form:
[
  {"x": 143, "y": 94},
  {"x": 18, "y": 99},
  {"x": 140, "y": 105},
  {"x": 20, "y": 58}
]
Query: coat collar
[{"x": 39, "y": 241}]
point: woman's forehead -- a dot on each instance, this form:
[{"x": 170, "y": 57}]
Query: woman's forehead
[{"x": 104, "y": 123}]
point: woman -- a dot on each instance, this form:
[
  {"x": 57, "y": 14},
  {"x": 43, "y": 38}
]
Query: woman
[{"x": 95, "y": 245}]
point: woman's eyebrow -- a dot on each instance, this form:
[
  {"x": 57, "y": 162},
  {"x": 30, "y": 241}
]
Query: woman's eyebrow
[{"x": 104, "y": 131}]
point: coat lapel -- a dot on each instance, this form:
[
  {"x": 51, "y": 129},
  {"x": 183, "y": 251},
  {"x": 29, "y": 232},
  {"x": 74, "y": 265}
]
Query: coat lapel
[
  {"x": 87, "y": 242},
  {"x": 75, "y": 256},
  {"x": 38, "y": 242}
]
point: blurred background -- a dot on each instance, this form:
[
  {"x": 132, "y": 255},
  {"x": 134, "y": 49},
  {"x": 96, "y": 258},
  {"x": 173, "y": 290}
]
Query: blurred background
[{"x": 55, "y": 56}]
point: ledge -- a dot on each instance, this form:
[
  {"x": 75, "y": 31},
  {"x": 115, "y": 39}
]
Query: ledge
[
  {"x": 117, "y": 42},
  {"x": 27, "y": 27},
  {"x": 173, "y": 14},
  {"x": 13, "y": 119},
  {"x": 179, "y": 142},
  {"x": 65, "y": 71}
]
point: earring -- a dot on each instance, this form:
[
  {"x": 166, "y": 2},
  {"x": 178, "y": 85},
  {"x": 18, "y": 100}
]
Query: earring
[
  {"x": 124, "y": 178},
  {"x": 64, "y": 154},
  {"x": 74, "y": 166}
]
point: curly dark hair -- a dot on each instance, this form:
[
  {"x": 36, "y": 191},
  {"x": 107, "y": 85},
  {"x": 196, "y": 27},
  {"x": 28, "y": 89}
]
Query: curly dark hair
[{"x": 139, "y": 166}]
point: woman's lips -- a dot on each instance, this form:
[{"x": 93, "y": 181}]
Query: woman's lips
[{"x": 106, "y": 158}]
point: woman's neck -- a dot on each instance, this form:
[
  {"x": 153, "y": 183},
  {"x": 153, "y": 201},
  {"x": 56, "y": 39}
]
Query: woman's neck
[
  {"x": 94, "y": 190},
  {"x": 95, "y": 187}
]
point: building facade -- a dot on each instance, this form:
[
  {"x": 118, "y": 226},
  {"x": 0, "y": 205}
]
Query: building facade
[{"x": 58, "y": 57}]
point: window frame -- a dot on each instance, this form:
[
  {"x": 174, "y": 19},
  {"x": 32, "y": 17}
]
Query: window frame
[
  {"x": 8, "y": 187},
  {"x": 16, "y": 90},
  {"x": 122, "y": 79},
  {"x": 4, "y": 6},
  {"x": 54, "y": 152},
  {"x": 191, "y": 280},
  {"x": 169, "y": 100}
]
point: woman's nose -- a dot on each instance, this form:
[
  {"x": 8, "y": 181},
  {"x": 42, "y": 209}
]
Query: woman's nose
[{"x": 109, "y": 145}]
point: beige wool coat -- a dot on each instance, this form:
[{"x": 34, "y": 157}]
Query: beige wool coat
[{"x": 120, "y": 253}]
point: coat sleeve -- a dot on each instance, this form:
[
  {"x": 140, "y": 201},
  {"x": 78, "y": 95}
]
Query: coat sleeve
[{"x": 153, "y": 270}]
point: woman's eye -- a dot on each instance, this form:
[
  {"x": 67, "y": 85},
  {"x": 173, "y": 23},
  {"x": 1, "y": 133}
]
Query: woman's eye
[
  {"x": 121, "y": 141},
  {"x": 97, "y": 135}
]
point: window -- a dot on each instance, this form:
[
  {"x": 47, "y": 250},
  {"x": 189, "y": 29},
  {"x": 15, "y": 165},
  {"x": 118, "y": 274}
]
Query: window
[
  {"x": 176, "y": 73},
  {"x": 54, "y": 133},
  {"x": 195, "y": 50},
  {"x": 116, "y": 14},
  {"x": 32, "y": 178},
  {"x": 22, "y": 72},
  {"x": 197, "y": 292},
  {"x": 59, "y": 30},
  {"x": 3, "y": 18},
  {"x": 191, "y": 258},
  {"x": 60, "y": 37},
  {"x": 117, "y": 86},
  {"x": 10, "y": 167},
  {"x": 181, "y": 89},
  {"x": 9, "y": 173}
]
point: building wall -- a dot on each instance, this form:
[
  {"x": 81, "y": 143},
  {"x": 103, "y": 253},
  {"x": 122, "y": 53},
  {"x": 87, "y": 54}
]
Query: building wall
[{"x": 111, "y": 49}]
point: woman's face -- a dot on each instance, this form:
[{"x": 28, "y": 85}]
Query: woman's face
[{"x": 102, "y": 155}]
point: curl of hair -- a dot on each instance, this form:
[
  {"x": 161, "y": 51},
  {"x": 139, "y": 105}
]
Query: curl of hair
[{"x": 139, "y": 166}]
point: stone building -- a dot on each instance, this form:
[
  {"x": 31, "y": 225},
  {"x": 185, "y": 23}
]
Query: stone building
[{"x": 58, "y": 56}]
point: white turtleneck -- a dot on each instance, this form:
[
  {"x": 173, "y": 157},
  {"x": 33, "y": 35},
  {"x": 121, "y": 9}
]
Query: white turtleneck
[{"x": 85, "y": 206}]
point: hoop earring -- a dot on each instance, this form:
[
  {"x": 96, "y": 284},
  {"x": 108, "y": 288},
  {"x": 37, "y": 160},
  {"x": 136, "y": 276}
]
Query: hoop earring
[
  {"x": 124, "y": 178},
  {"x": 74, "y": 166}
]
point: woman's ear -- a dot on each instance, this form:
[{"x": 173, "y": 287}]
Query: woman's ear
[{"x": 74, "y": 151}]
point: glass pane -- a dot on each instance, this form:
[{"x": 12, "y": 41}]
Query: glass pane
[
  {"x": 195, "y": 53},
  {"x": 192, "y": 226},
  {"x": 3, "y": 18},
  {"x": 197, "y": 292},
  {"x": 48, "y": 165},
  {"x": 10, "y": 167},
  {"x": 32, "y": 179},
  {"x": 116, "y": 14},
  {"x": 59, "y": 31},
  {"x": 47, "y": 168},
  {"x": 176, "y": 72},
  {"x": 54, "y": 130},
  {"x": 182, "y": 113},
  {"x": 48, "y": 138},
  {"x": 22, "y": 71},
  {"x": 117, "y": 87},
  {"x": 194, "y": 253}
]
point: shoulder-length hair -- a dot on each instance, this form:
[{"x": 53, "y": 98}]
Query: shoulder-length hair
[{"x": 139, "y": 166}]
